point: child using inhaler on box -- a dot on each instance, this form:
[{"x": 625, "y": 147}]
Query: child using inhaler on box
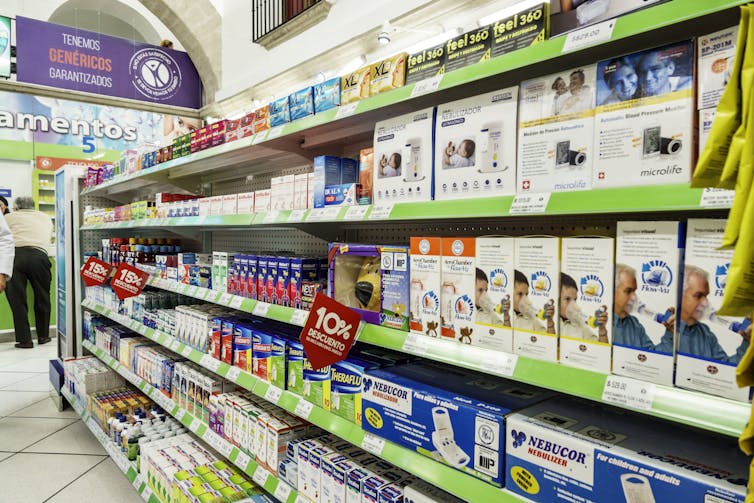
[
  {"x": 527, "y": 317},
  {"x": 461, "y": 157}
]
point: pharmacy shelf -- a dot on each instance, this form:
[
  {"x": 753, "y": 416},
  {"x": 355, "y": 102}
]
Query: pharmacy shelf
[
  {"x": 304, "y": 138},
  {"x": 121, "y": 461},
  {"x": 682, "y": 406},
  {"x": 260, "y": 475},
  {"x": 434, "y": 472}
]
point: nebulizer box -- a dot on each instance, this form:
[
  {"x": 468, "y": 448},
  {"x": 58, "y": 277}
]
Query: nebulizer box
[
  {"x": 426, "y": 280},
  {"x": 644, "y": 122},
  {"x": 709, "y": 345},
  {"x": 494, "y": 293},
  {"x": 475, "y": 146},
  {"x": 647, "y": 275},
  {"x": 403, "y": 158},
  {"x": 536, "y": 295},
  {"x": 568, "y": 450},
  {"x": 586, "y": 301},
  {"x": 556, "y": 131}
]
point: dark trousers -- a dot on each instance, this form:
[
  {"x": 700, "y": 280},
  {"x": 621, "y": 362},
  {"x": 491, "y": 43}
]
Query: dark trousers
[{"x": 30, "y": 265}]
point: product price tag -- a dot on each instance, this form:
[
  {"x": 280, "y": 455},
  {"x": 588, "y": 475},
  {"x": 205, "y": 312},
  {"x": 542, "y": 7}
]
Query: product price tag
[
  {"x": 138, "y": 481},
  {"x": 195, "y": 424},
  {"x": 275, "y": 132},
  {"x": 259, "y": 137},
  {"x": 179, "y": 415},
  {"x": 147, "y": 493},
  {"x": 271, "y": 217},
  {"x": 356, "y": 212},
  {"x": 426, "y": 86},
  {"x": 273, "y": 394},
  {"x": 121, "y": 461},
  {"x": 225, "y": 299},
  {"x": 174, "y": 345},
  {"x": 260, "y": 476},
  {"x": 416, "y": 344},
  {"x": 346, "y": 110},
  {"x": 717, "y": 198},
  {"x": 498, "y": 363},
  {"x": 282, "y": 491},
  {"x": 236, "y": 302},
  {"x": 134, "y": 325},
  {"x": 261, "y": 309},
  {"x": 591, "y": 35},
  {"x": 530, "y": 203},
  {"x": 331, "y": 213},
  {"x": 296, "y": 215},
  {"x": 303, "y": 408},
  {"x": 242, "y": 460},
  {"x": 208, "y": 362},
  {"x": 381, "y": 212},
  {"x": 186, "y": 351},
  {"x": 316, "y": 214},
  {"x": 191, "y": 291},
  {"x": 299, "y": 317},
  {"x": 233, "y": 373},
  {"x": 373, "y": 444},
  {"x": 208, "y": 294},
  {"x": 628, "y": 392}
]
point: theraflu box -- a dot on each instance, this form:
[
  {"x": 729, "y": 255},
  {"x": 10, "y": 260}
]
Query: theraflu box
[
  {"x": 278, "y": 362},
  {"x": 316, "y": 388},
  {"x": 647, "y": 275},
  {"x": 346, "y": 388},
  {"x": 426, "y": 280},
  {"x": 295, "y": 358}
]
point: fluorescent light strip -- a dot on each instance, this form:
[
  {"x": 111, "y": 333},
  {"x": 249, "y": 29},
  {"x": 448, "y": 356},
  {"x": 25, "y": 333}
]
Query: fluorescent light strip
[
  {"x": 508, "y": 11},
  {"x": 432, "y": 41}
]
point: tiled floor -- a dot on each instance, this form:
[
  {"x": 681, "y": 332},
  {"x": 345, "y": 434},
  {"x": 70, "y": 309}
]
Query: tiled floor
[{"x": 46, "y": 455}]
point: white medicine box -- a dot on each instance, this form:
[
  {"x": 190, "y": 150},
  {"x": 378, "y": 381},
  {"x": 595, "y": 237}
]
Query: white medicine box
[
  {"x": 494, "y": 293},
  {"x": 716, "y": 54}
]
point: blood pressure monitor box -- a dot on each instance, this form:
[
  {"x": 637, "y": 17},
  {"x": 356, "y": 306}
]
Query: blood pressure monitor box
[
  {"x": 461, "y": 425},
  {"x": 586, "y": 300},
  {"x": 568, "y": 450},
  {"x": 647, "y": 274},
  {"x": 709, "y": 346},
  {"x": 716, "y": 53},
  {"x": 536, "y": 295},
  {"x": 644, "y": 124},
  {"x": 475, "y": 146},
  {"x": 426, "y": 280},
  {"x": 556, "y": 131},
  {"x": 706, "y": 118},
  {"x": 494, "y": 293},
  {"x": 403, "y": 160}
]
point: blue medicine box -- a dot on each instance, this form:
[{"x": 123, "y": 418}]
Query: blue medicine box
[
  {"x": 279, "y": 112},
  {"x": 301, "y": 103},
  {"x": 327, "y": 95}
]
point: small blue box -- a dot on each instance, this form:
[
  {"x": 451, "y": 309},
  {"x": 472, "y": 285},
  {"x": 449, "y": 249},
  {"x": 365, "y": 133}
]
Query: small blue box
[
  {"x": 327, "y": 95},
  {"x": 326, "y": 172},
  {"x": 301, "y": 103},
  {"x": 279, "y": 112},
  {"x": 349, "y": 170},
  {"x": 341, "y": 195}
]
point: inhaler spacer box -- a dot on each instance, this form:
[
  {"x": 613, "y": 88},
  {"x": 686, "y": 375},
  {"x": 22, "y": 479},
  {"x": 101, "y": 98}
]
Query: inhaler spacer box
[
  {"x": 403, "y": 158},
  {"x": 569, "y": 450},
  {"x": 716, "y": 53},
  {"x": 494, "y": 293},
  {"x": 556, "y": 131},
  {"x": 586, "y": 300},
  {"x": 457, "y": 304},
  {"x": 475, "y": 146},
  {"x": 424, "y": 291},
  {"x": 709, "y": 346},
  {"x": 645, "y": 118},
  {"x": 647, "y": 275},
  {"x": 536, "y": 295}
]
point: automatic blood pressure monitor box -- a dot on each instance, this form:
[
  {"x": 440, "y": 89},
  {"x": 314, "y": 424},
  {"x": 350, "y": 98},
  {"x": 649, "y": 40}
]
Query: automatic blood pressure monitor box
[
  {"x": 645, "y": 118},
  {"x": 647, "y": 274},
  {"x": 475, "y": 146},
  {"x": 716, "y": 53},
  {"x": 494, "y": 293},
  {"x": 403, "y": 166},
  {"x": 556, "y": 131},
  {"x": 709, "y": 346},
  {"x": 567, "y": 450},
  {"x": 586, "y": 301}
]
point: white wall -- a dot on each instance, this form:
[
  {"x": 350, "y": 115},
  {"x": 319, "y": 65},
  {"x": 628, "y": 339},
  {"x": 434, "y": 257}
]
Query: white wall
[{"x": 16, "y": 176}]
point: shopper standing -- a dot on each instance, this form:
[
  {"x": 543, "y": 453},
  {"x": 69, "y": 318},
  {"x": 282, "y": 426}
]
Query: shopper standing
[
  {"x": 32, "y": 230},
  {"x": 7, "y": 252}
]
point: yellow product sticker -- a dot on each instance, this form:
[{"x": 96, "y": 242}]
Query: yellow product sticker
[
  {"x": 525, "y": 479},
  {"x": 373, "y": 418}
]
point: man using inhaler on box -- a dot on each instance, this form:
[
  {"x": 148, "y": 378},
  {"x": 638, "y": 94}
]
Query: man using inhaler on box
[
  {"x": 573, "y": 323},
  {"x": 527, "y": 317},
  {"x": 627, "y": 330},
  {"x": 695, "y": 337}
]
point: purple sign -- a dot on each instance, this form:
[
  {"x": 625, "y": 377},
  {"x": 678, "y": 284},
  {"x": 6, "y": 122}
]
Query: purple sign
[{"x": 64, "y": 57}]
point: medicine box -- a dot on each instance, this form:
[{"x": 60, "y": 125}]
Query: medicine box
[
  {"x": 282, "y": 192},
  {"x": 326, "y": 173},
  {"x": 261, "y": 351},
  {"x": 425, "y": 64},
  {"x": 355, "y": 86},
  {"x": 647, "y": 276},
  {"x": 577, "y": 451},
  {"x": 457, "y": 304},
  {"x": 261, "y": 120},
  {"x": 216, "y": 206},
  {"x": 556, "y": 131},
  {"x": 645, "y": 138},
  {"x": 245, "y": 205},
  {"x": 277, "y": 363},
  {"x": 326, "y": 95},
  {"x": 279, "y": 112},
  {"x": 300, "y": 191},
  {"x": 262, "y": 200},
  {"x": 316, "y": 384},
  {"x": 403, "y": 157},
  {"x": 716, "y": 54},
  {"x": 710, "y": 346},
  {"x": 475, "y": 146},
  {"x": 467, "y": 49},
  {"x": 586, "y": 300},
  {"x": 346, "y": 387},
  {"x": 520, "y": 30},
  {"x": 301, "y": 103},
  {"x": 494, "y": 293},
  {"x": 420, "y": 491},
  {"x": 295, "y": 367},
  {"x": 366, "y": 172},
  {"x": 426, "y": 280},
  {"x": 230, "y": 204},
  {"x": 536, "y": 278},
  {"x": 390, "y": 73}
]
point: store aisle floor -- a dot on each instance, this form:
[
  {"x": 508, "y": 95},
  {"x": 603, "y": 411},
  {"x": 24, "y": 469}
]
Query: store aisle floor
[{"x": 46, "y": 455}]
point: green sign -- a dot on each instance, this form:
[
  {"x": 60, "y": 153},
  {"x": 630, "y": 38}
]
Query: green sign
[{"x": 4, "y": 46}]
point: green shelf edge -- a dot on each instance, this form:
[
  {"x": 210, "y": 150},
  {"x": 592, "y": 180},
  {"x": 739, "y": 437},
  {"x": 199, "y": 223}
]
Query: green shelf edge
[{"x": 438, "y": 474}]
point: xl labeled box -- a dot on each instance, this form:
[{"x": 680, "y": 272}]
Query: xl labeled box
[
  {"x": 709, "y": 346},
  {"x": 390, "y": 73},
  {"x": 457, "y": 304},
  {"x": 403, "y": 157},
  {"x": 523, "y": 29},
  {"x": 644, "y": 122},
  {"x": 567, "y": 450},
  {"x": 556, "y": 131},
  {"x": 586, "y": 300},
  {"x": 326, "y": 95},
  {"x": 536, "y": 287},
  {"x": 647, "y": 275},
  {"x": 279, "y": 112},
  {"x": 716, "y": 53},
  {"x": 494, "y": 293},
  {"x": 475, "y": 146},
  {"x": 301, "y": 103},
  {"x": 426, "y": 280},
  {"x": 355, "y": 86}
]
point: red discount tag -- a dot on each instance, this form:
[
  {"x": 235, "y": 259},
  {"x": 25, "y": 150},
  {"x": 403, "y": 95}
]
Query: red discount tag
[
  {"x": 96, "y": 272},
  {"x": 329, "y": 332},
  {"x": 128, "y": 281}
]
